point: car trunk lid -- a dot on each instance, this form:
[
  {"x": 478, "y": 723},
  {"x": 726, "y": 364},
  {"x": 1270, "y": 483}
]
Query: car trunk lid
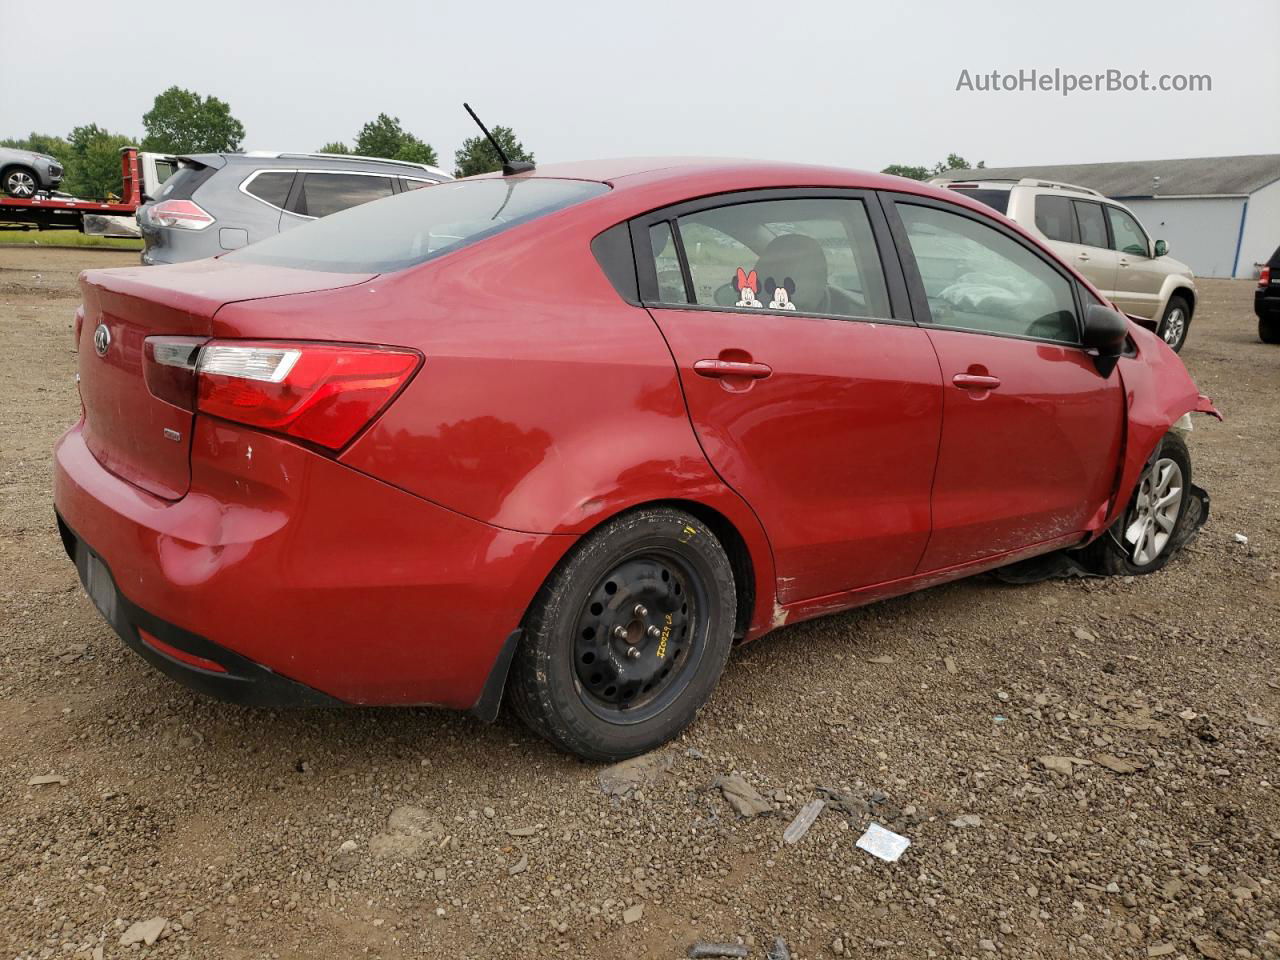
[{"x": 133, "y": 433}]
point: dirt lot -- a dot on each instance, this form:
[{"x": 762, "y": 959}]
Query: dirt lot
[{"x": 254, "y": 833}]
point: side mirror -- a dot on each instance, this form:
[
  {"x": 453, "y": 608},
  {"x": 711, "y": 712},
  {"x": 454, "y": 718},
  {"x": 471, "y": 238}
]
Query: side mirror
[
  {"x": 1161, "y": 248},
  {"x": 1105, "y": 331}
]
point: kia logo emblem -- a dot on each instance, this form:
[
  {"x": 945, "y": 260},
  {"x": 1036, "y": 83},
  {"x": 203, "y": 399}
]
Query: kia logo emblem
[{"x": 101, "y": 339}]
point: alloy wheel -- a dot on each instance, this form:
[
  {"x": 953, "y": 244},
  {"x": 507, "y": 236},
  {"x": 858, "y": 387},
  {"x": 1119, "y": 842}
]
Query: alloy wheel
[
  {"x": 20, "y": 184},
  {"x": 1155, "y": 512},
  {"x": 1174, "y": 324}
]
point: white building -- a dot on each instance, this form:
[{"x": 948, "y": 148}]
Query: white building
[{"x": 1219, "y": 215}]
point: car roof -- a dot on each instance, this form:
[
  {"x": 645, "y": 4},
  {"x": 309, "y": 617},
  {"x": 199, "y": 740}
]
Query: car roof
[
  {"x": 652, "y": 170},
  {"x": 281, "y": 158}
]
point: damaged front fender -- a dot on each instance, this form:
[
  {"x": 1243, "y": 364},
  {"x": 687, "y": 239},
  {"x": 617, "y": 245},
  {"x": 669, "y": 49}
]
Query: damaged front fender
[{"x": 1159, "y": 393}]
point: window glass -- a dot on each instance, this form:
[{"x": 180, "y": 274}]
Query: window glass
[
  {"x": 995, "y": 199},
  {"x": 1093, "y": 229},
  {"x": 667, "y": 263},
  {"x": 273, "y": 187},
  {"x": 814, "y": 256},
  {"x": 326, "y": 193},
  {"x": 976, "y": 278},
  {"x": 413, "y": 184},
  {"x": 1128, "y": 236},
  {"x": 417, "y": 225},
  {"x": 1054, "y": 218}
]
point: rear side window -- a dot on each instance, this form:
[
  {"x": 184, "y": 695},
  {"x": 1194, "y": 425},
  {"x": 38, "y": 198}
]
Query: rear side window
[
  {"x": 1093, "y": 228},
  {"x": 328, "y": 193},
  {"x": 271, "y": 186},
  {"x": 815, "y": 256},
  {"x": 412, "y": 227},
  {"x": 1055, "y": 219},
  {"x": 978, "y": 279}
]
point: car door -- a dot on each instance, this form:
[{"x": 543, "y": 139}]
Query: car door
[
  {"x": 319, "y": 193},
  {"x": 1031, "y": 431},
  {"x": 1095, "y": 259},
  {"x": 1139, "y": 277},
  {"x": 812, "y": 393}
]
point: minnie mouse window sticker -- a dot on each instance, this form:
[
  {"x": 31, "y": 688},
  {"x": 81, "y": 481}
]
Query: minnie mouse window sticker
[
  {"x": 746, "y": 284},
  {"x": 780, "y": 295}
]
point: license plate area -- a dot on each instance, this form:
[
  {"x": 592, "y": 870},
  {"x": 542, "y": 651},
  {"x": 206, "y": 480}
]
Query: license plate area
[{"x": 100, "y": 587}]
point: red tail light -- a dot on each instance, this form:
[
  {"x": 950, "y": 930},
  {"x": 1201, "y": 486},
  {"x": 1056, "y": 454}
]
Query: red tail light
[
  {"x": 184, "y": 214},
  {"x": 1264, "y": 277},
  {"x": 322, "y": 393}
]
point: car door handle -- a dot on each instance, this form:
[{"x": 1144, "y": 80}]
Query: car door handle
[
  {"x": 972, "y": 381},
  {"x": 732, "y": 368},
  {"x": 1083, "y": 257},
  {"x": 1124, "y": 262}
]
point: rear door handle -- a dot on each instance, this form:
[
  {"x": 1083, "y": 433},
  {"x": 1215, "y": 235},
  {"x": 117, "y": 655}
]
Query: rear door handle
[
  {"x": 731, "y": 368},
  {"x": 1083, "y": 257},
  {"x": 972, "y": 381}
]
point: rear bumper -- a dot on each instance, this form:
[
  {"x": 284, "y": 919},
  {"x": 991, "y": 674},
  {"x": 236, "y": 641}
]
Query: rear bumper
[
  {"x": 302, "y": 579},
  {"x": 180, "y": 654},
  {"x": 1266, "y": 305}
]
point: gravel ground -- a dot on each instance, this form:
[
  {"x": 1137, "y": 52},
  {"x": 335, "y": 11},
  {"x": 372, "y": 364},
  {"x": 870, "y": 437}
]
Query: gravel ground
[{"x": 1084, "y": 768}]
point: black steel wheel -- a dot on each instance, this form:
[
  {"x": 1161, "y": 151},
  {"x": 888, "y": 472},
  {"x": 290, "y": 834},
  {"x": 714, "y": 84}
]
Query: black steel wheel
[{"x": 627, "y": 639}]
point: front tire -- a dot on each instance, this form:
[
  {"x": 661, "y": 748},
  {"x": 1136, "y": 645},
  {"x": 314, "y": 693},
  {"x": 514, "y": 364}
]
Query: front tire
[
  {"x": 1176, "y": 323},
  {"x": 1269, "y": 328},
  {"x": 626, "y": 640},
  {"x": 1144, "y": 539},
  {"x": 21, "y": 182}
]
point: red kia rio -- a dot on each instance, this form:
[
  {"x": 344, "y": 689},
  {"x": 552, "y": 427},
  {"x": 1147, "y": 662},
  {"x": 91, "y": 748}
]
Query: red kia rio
[{"x": 565, "y": 436}]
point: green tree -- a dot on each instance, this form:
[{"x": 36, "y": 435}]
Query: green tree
[
  {"x": 93, "y": 161},
  {"x": 181, "y": 121},
  {"x": 911, "y": 173},
  {"x": 953, "y": 162},
  {"x": 335, "y": 146},
  {"x": 476, "y": 155},
  {"x": 39, "y": 143},
  {"x": 384, "y": 137}
]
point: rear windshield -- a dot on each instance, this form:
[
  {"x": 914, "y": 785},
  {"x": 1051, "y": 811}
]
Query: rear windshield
[
  {"x": 409, "y": 228},
  {"x": 190, "y": 176},
  {"x": 995, "y": 199}
]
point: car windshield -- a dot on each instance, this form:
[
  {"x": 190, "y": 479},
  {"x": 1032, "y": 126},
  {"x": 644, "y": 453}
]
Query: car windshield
[{"x": 409, "y": 228}]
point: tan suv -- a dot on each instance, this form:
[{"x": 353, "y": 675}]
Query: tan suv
[{"x": 1104, "y": 241}]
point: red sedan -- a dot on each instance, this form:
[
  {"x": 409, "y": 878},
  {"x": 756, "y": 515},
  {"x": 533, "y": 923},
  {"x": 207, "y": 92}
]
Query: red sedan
[{"x": 568, "y": 435}]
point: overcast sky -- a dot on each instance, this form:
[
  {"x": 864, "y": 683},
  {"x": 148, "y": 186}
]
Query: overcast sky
[{"x": 849, "y": 83}]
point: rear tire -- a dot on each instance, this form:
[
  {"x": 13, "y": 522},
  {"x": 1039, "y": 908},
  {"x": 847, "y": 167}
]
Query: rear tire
[
  {"x": 627, "y": 638},
  {"x": 1176, "y": 323},
  {"x": 1144, "y": 539},
  {"x": 1269, "y": 328},
  {"x": 21, "y": 182}
]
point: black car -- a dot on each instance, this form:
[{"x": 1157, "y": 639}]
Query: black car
[{"x": 1266, "y": 300}]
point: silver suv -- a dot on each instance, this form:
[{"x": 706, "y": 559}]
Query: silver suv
[
  {"x": 23, "y": 174},
  {"x": 223, "y": 201},
  {"x": 1104, "y": 241}
]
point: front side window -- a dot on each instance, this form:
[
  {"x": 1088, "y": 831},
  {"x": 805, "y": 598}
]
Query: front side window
[
  {"x": 328, "y": 193},
  {"x": 1127, "y": 236},
  {"x": 1055, "y": 219},
  {"x": 814, "y": 256},
  {"x": 976, "y": 278},
  {"x": 418, "y": 225},
  {"x": 1093, "y": 228}
]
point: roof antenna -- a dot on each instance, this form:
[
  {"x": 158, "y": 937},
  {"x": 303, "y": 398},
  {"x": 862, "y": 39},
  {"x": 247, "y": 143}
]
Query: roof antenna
[{"x": 508, "y": 167}]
